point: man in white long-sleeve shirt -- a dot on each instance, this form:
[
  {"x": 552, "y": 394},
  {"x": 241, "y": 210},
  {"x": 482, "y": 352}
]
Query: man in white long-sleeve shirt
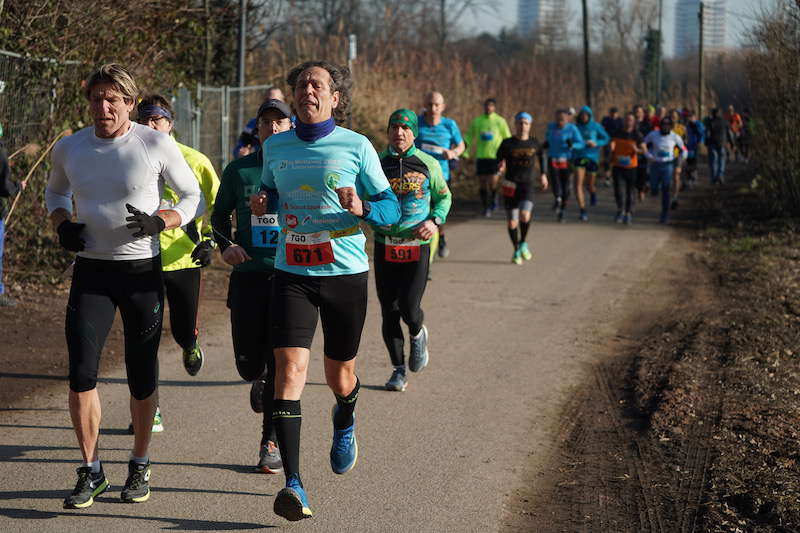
[{"x": 114, "y": 172}]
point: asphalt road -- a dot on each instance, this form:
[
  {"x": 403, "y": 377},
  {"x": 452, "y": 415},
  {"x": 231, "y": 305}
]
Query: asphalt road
[{"x": 509, "y": 346}]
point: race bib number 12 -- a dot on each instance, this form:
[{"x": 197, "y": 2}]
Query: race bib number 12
[
  {"x": 309, "y": 249},
  {"x": 265, "y": 230}
]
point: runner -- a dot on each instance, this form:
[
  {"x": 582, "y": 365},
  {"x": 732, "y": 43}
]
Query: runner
[
  {"x": 718, "y": 138},
  {"x": 402, "y": 249},
  {"x": 319, "y": 172},
  {"x": 695, "y": 135},
  {"x": 561, "y": 139},
  {"x": 655, "y": 117},
  {"x": 612, "y": 123},
  {"x": 585, "y": 159},
  {"x": 113, "y": 171},
  {"x": 486, "y": 133},
  {"x": 183, "y": 250},
  {"x": 248, "y": 138},
  {"x": 252, "y": 255},
  {"x": 680, "y": 130},
  {"x": 517, "y": 155},
  {"x": 8, "y": 189},
  {"x": 644, "y": 127},
  {"x": 626, "y": 145},
  {"x": 661, "y": 145},
  {"x": 736, "y": 125},
  {"x": 439, "y": 137}
]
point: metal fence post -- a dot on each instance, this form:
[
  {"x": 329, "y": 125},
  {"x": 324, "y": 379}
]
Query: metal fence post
[{"x": 225, "y": 126}]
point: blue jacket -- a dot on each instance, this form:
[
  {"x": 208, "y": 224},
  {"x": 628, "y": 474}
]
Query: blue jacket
[
  {"x": 591, "y": 131},
  {"x": 695, "y": 134},
  {"x": 562, "y": 142}
]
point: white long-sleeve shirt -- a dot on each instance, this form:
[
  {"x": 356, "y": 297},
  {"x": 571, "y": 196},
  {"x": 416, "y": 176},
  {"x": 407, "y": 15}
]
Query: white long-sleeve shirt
[
  {"x": 661, "y": 148},
  {"x": 102, "y": 175}
]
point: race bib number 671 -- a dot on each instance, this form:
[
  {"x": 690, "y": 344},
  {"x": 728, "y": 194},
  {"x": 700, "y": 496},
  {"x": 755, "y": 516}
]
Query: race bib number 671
[{"x": 309, "y": 249}]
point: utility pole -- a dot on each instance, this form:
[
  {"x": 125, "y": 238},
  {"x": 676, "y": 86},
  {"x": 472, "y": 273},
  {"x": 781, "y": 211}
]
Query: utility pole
[
  {"x": 242, "y": 53},
  {"x": 701, "y": 66},
  {"x": 659, "y": 53},
  {"x": 442, "y": 24},
  {"x": 586, "y": 73}
]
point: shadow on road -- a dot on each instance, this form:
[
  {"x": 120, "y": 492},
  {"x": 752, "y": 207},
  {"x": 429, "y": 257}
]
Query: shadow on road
[
  {"x": 124, "y": 381},
  {"x": 178, "y": 524}
]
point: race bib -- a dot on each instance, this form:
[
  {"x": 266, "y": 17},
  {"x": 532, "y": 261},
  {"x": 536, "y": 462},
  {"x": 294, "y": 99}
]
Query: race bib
[
  {"x": 559, "y": 162},
  {"x": 509, "y": 188},
  {"x": 487, "y": 136},
  {"x": 432, "y": 148},
  {"x": 401, "y": 250},
  {"x": 265, "y": 230},
  {"x": 309, "y": 249},
  {"x": 624, "y": 160},
  {"x": 663, "y": 153}
]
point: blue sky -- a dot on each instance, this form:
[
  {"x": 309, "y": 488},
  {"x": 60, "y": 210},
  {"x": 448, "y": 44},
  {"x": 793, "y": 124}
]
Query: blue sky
[{"x": 506, "y": 15}]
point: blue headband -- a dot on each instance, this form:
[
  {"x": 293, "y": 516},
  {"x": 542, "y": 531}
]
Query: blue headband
[
  {"x": 150, "y": 110},
  {"x": 523, "y": 114}
]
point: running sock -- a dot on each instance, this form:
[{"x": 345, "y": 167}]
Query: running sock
[
  {"x": 514, "y": 234},
  {"x": 400, "y": 368},
  {"x": 484, "y": 198},
  {"x": 523, "y": 230},
  {"x": 94, "y": 465},
  {"x": 286, "y": 418},
  {"x": 140, "y": 460},
  {"x": 267, "y": 425},
  {"x": 343, "y": 418}
]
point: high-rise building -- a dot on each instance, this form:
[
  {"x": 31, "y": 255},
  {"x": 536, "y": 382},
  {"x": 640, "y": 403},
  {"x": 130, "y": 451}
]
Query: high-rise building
[
  {"x": 687, "y": 29},
  {"x": 544, "y": 19}
]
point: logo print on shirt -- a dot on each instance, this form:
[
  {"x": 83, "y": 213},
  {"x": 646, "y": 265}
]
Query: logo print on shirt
[
  {"x": 283, "y": 164},
  {"x": 291, "y": 221},
  {"x": 332, "y": 180},
  {"x": 410, "y": 182}
]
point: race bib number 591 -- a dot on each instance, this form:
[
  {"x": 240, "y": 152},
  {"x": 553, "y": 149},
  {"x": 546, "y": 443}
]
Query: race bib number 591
[
  {"x": 401, "y": 250},
  {"x": 309, "y": 249}
]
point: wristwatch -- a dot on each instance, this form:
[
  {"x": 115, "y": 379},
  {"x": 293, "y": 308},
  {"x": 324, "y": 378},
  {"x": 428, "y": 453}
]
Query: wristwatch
[
  {"x": 437, "y": 220},
  {"x": 366, "y": 207}
]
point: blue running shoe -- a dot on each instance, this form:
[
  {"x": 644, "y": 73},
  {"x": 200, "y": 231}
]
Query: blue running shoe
[
  {"x": 291, "y": 502},
  {"x": 525, "y": 251},
  {"x": 344, "y": 448}
]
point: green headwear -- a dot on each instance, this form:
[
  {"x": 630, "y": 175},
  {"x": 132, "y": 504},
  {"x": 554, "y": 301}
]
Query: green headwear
[{"x": 405, "y": 117}]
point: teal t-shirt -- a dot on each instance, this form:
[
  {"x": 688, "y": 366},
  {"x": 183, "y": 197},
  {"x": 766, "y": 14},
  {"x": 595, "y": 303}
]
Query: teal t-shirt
[{"x": 306, "y": 175}]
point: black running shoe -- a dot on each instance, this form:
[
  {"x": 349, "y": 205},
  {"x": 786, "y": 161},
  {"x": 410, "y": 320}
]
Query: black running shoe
[
  {"x": 257, "y": 395},
  {"x": 137, "y": 486},
  {"x": 88, "y": 487}
]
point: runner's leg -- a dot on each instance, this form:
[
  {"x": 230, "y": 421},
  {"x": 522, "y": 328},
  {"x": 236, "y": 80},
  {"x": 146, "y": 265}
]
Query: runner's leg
[
  {"x": 387, "y": 285},
  {"x": 183, "y": 296}
]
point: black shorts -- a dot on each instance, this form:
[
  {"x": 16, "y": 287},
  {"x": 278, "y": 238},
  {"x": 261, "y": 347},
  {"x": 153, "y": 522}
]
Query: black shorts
[
  {"x": 249, "y": 298},
  {"x": 341, "y": 302},
  {"x": 585, "y": 162},
  {"x": 522, "y": 199},
  {"x": 98, "y": 288},
  {"x": 487, "y": 167}
]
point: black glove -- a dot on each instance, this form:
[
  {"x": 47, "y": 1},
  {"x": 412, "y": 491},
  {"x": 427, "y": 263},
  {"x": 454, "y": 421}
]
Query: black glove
[
  {"x": 569, "y": 143},
  {"x": 203, "y": 252},
  {"x": 142, "y": 222},
  {"x": 69, "y": 236}
]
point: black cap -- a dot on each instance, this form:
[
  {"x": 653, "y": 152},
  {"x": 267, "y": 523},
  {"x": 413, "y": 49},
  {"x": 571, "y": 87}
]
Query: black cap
[{"x": 272, "y": 103}]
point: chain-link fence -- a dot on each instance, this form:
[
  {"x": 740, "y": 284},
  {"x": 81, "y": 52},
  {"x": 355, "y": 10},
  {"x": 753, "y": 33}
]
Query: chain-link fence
[
  {"x": 220, "y": 115},
  {"x": 33, "y": 95}
]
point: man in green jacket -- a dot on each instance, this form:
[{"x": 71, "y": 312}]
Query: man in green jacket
[
  {"x": 252, "y": 254},
  {"x": 402, "y": 249},
  {"x": 486, "y": 133}
]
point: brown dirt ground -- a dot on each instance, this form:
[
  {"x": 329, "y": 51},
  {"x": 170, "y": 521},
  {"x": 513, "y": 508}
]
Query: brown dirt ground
[{"x": 701, "y": 432}]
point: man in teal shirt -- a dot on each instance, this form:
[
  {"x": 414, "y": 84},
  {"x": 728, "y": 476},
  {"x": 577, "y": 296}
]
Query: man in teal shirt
[{"x": 486, "y": 133}]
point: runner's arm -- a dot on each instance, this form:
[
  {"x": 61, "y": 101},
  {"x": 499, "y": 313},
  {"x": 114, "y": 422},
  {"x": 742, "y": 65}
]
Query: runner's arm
[
  {"x": 441, "y": 197},
  {"x": 371, "y": 183},
  {"x": 8, "y": 188},
  {"x": 209, "y": 184},
  {"x": 224, "y": 205},
  {"x": 602, "y": 136},
  {"x": 58, "y": 194},
  {"x": 182, "y": 181}
]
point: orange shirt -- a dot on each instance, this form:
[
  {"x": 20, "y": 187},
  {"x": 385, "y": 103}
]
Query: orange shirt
[
  {"x": 735, "y": 121},
  {"x": 623, "y": 149}
]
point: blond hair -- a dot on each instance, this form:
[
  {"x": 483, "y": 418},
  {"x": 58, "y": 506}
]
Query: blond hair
[{"x": 116, "y": 75}]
